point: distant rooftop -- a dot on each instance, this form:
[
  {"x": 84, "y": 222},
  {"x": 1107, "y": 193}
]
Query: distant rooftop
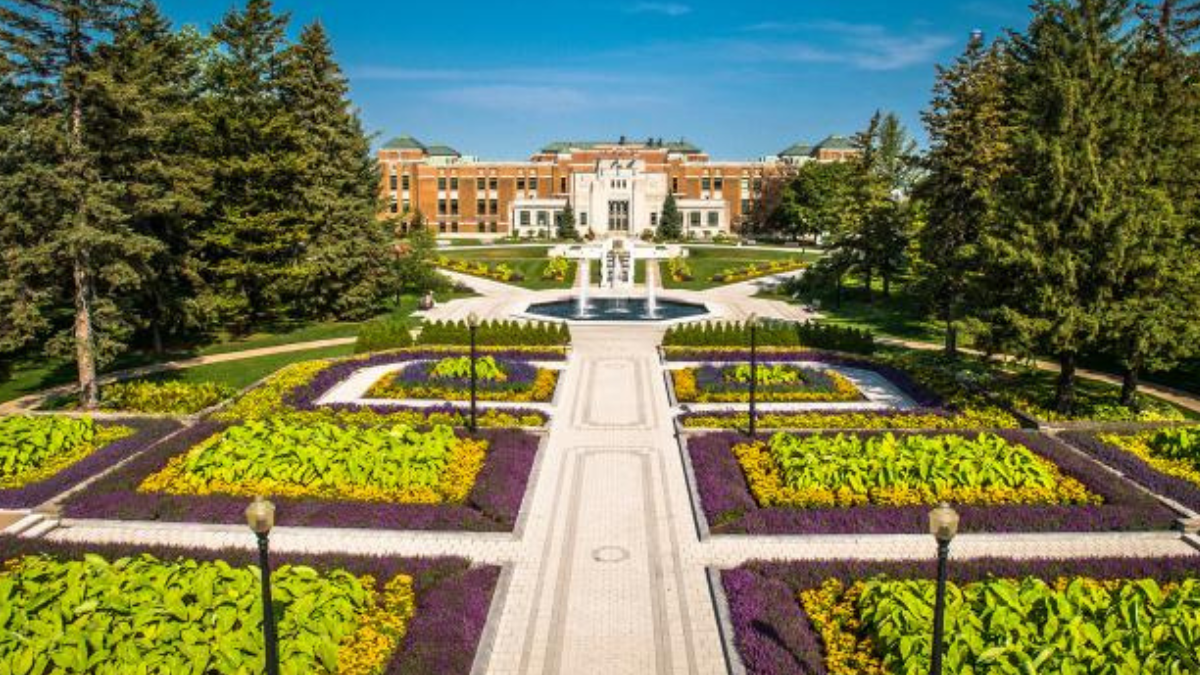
[
  {"x": 442, "y": 151},
  {"x": 559, "y": 147},
  {"x": 836, "y": 142},
  {"x": 404, "y": 143},
  {"x": 797, "y": 150}
]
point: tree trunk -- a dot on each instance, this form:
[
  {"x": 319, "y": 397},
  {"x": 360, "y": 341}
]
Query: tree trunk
[
  {"x": 156, "y": 337},
  {"x": 868, "y": 279},
  {"x": 1129, "y": 383},
  {"x": 1064, "y": 401},
  {"x": 85, "y": 340}
]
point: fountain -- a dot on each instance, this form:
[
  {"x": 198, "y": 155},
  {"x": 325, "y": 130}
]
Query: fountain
[
  {"x": 585, "y": 275},
  {"x": 651, "y": 301}
]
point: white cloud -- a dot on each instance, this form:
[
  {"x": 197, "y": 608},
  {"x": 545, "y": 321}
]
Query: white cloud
[
  {"x": 664, "y": 8},
  {"x": 859, "y": 45}
]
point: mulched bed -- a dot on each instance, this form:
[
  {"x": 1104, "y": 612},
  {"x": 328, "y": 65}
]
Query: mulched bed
[
  {"x": 492, "y": 505},
  {"x": 1136, "y": 469},
  {"x": 453, "y": 597},
  {"x": 774, "y": 636},
  {"x": 730, "y": 508},
  {"x": 147, "y": 431}
]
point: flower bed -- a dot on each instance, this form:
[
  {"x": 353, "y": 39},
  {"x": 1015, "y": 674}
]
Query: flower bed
[
  {"x": 875, "y": 617},
  {"x": 498, "y": 272},
  {"x": 43, "y": 456},
  {"x": 449, "y": 379},
  {"x": 81, "y": 608},
  {"x": 730, "y": 506},
  {"x": 166, "y": 397},
  {"x": 204, "y": 474},
  {"x": 1165, "y": 461},
  {"x": 776, "y": 382},
  {"x": 732, "y": 275}
]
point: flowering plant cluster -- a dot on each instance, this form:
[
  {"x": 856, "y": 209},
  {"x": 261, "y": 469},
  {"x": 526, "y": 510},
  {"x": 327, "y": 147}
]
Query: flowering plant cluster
[
  {"x": 678, "y": 269},
  {"x": 1064, "y": 625},
  {"x": 557, "y": 269},
  {"x": 735, "y": 274},
  {"x": 777, "y": 382},
  {"x": 1130, "y": 454},
  {"x": 391, "y": 463},
  {"x": 449, "y": 380},
  {"x": 33, "y": 449},
  {"x": 478, "y": 268},
  {"x": 921, "y": 418},
  {"x": 815, "y": 470},
  {"x": 1174, "y": 451}
]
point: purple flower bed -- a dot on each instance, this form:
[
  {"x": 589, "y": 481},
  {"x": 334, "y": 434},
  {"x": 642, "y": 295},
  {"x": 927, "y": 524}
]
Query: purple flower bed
[
  {"x": 735, "y": 414},
  {"x": 460, "y": 410},
  {"x": 305, "y": 396},
  {"x": 517, "y": 373},
  {"x": 902, "y": 380},
  {"x": 452, "y": 596},
  {"x": 146, "y": 433},
  {"x": 730, "y": 508},
  {"x": 774, "y": 636},
  {"x": 1136, "y": 469},
  {"x": 718, "y": 379},
  {"x": 492, "y": 505}
]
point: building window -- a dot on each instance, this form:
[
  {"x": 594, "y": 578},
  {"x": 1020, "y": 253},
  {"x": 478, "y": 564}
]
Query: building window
[
  {"x": 583, "y": 218},
  {"x": 714, "y": 219},
  {"x": 745, "y": 185},
  {"x": 404, "y": 182},
  {"x": 454, "y": 227},
  {"x": 543, "y": 218},
  {"x": 405, "y": 205},
  {"x": 454, "y": 183},
  {"x": 757, "y": 185},
  {"x": 718, "y": 183},
  {"x": 521, "y": 183},
  {"x": 393, "y": 182},
  {"x": 454, "y": 207},
  {"x": 618, "y": 216},
  {"x": 694, "y": 219},
  {"x": 495, "y": 207},
  {"x": 706, "y": 184},
  {"x": 492, "y": 183},
  {"x": 480, "y": 206},
  {"x": 675, "y": 185},
  {"x": 442, "y": 183},
  {"x": 746, "y": 206},
  {"x": 525, "y": 218},
  {"x": 479, "y": 184},
  {"x": 654, "y": 219},
  {"x": 533, "y": 183},
  {"x": 393, "y": 207},
  {"x": 562, "y": 182},
  {"x": 442, "y": 228},
  {"x": 442, "y": 206},
  {"x": 492, "y": 228}
]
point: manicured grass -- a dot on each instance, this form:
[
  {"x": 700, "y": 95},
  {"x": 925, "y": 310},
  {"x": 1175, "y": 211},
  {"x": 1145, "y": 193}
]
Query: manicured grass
[
  {"x": 245, "y": 372},
  {"x": 530, "y": 262},
  {"x": 707, "y": 262},
  {"x": 899, "y": 316}
]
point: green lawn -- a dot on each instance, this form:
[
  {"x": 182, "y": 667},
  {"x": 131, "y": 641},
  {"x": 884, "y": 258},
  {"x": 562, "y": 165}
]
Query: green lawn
[
  {"x": 245, "y": 372},
  {"x": 707, "y": 262},
  {"x": 899, "y": 316},
  {"x": 530, "y": 262}
]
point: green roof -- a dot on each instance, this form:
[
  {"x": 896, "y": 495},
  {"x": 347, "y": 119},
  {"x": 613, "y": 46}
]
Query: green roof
[
  {"x": 836, "y": 143},
  {"x": 558, "y": 147},
  {"x": 404, "y": 143},
  {"x": 797, "y": 150},
  {"x": 680, "y": 146},
  {"x": 442, "y": 151}
]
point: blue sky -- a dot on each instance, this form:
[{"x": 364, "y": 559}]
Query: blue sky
[{"x": 741, "y": 79}]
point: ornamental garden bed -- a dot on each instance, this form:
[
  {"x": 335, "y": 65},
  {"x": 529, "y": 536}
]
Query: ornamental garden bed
[
  {"x": 1165, "y": 461},
  {"x": 1066, "y": 616},
  {"x": 42, "y": 456},
  {"x": 777, "y": 382},
  {"x": 449, "y": 379},
  {"x": 876, "y": 483},
  {"x": 323, "y": 473},
  {"x": 153, "y": 396},
  {"x": 120, "y": 609}
]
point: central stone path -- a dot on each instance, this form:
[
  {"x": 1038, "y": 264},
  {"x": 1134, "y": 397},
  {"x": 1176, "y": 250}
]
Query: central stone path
[{"x": 606, "y": 586}]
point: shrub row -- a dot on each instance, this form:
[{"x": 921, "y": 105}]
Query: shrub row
[
  {"x": 383, "y": 334},
  {"x": 495, "y": 333},
  {"x": 772, "y": 334}
]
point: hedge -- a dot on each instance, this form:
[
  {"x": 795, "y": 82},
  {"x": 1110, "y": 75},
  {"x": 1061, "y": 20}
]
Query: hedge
[
  {"x": 495, "y": 333},
  {"x": 771, "y": 334}
]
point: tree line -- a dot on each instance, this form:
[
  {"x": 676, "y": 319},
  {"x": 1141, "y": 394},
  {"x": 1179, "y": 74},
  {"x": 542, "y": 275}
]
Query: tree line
[
  {"x": 159, "y": 182},
  {"x": 1057, "y": 209}
]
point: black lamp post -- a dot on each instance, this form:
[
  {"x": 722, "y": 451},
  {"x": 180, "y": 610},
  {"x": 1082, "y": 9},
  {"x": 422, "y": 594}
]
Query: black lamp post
[
  {"x": 260, "y": 516},
  {"x": 473, "y": 325},
  {"x": 752, "y": 322},
  {"x": 943, "y": 525}
]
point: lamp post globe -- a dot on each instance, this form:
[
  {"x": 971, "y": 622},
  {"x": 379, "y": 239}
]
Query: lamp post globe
[
  {"x": 260, "y": 517},
  {"x": 943, "y": 525}
]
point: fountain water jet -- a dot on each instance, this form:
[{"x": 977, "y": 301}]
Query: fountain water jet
[
  {"x": 651, "y": 282},
  {"x": 585, "y": 275}
]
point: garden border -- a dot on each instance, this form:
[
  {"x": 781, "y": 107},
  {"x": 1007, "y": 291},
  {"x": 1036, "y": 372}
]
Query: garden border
[
  {"x": 728, "y": 508},
  {"x": 148, "y": 431},
  {"x": 1134, "y": 468},
  {"x": 772, "y": 633},
  {"x": 446, "y": 588},
  {"x": 495, "y": 504}
]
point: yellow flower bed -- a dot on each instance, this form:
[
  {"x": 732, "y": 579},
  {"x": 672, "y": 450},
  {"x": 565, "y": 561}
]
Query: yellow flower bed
[
  {"x": 833, "y": 610},
  {"x": 541, "y": 390},
  {"x": 687, "y": 391},
  {"x": 991, "y": 418},
  {"x": 766, "y": 481},
  {"x": 380, "y": 628},
  {"x": 1140, "y": 447}
]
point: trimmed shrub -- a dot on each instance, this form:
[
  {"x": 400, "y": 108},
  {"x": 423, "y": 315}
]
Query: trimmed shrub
[
  {"x": 772, "y": 334},
  {"x": 495, "y": 334},
  {"x": 383, "y": 334}
]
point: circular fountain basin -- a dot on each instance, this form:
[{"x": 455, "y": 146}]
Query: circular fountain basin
[{"x": 617, "y": 309}]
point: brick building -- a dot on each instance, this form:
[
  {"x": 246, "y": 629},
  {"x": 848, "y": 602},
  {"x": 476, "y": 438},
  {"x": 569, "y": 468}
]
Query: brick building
[{"x": 616, "y": 187}]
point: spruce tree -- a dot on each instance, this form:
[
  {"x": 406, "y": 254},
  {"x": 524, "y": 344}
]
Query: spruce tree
[
  {"x": 340, "y": 241},
  {"x": 1066, "y": 197},
  {"x": 670, "y": 221},
  {"x": 249, "y": 243},
  {"x": 566, "y": 224},
  {"x": 968, "y": 155},
  {"x": 61, "y": 213}
]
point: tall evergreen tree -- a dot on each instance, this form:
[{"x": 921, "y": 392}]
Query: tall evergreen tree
[
  {"x": 670, "y": 222},
  {"x": 566, "y": 224},
  {"x": 1065, "y": 198},
  {"x": 147, "y": 84},
  {"x": 60, "y": 210},
  {"x": 968, "y": 155},
  {"x": 340, "y": 244},
  {"x": 1155, "y": 317},
  {"x": 249, "y": 243}
]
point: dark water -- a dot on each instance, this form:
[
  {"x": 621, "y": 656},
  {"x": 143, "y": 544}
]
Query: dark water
[{"x": 617, "y": 309}]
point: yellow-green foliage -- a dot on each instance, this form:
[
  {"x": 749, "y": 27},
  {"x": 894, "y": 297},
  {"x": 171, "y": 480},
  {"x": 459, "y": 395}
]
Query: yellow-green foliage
[
  {"x": 33, "y": 448},
  {"x": 393, "y": 463},
  {"x": 986, "y": 418},
  {"x": 135, "y": 615},
  {"x": 1073, "y": 626},
  {"x": 266, "y": 400},
  {"x": 847, "y": 470},
  {"x": 181, "y": 398},
  {"x": 1175, "y": 452}
]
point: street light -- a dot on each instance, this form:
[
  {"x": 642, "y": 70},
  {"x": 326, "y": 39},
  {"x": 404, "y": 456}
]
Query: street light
[
  {"x": 943, "y": 525},
  {"x": 752, "y": 323},
  {"x": 260, "y": 516},
  {"x": 473, "y": 325}
]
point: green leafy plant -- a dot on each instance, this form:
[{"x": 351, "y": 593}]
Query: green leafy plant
[
  {"x": 486, "y": 368},
  {"x": 168, "y": 396},
  {"x": 36, "y": 447}
]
